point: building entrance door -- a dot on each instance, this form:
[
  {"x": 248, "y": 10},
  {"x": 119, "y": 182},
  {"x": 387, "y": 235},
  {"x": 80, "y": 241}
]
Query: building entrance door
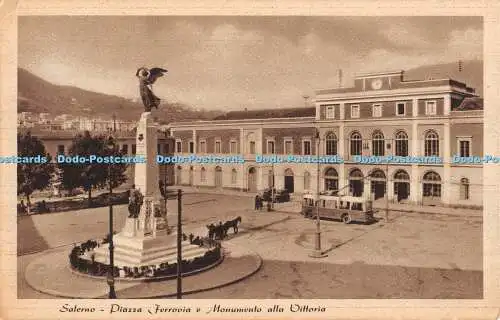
[
  {"x": 218, "y": 177},
  {"x": 289, "y": 181},
  {"x": 252, "y": 180}
]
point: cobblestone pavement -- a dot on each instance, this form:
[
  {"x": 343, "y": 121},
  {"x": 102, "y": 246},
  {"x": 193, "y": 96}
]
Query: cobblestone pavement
[{"x": 412, "y": 256}]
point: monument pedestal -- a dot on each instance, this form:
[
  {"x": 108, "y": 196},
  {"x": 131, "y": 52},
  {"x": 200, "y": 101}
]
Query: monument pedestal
[{"x": 147, "y": 240}]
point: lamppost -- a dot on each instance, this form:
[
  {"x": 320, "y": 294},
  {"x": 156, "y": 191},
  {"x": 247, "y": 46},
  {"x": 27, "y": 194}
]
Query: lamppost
[
  {"x": 387, "y": 187},
  {"x": 317, "y": 252},
  {"x": 179, "y": 244},
  {"x": 110, "y": 145}
]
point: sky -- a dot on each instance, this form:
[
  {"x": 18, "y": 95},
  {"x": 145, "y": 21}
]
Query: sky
[{"x": 231, "y": 63}]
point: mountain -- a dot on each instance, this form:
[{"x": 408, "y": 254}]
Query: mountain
[
  {"x": 471, "y": 74},
  {"x": 38, "y": 95}
]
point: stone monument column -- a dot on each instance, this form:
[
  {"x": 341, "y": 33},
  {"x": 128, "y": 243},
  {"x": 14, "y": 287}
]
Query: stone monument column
[{"x": 147, "y": 177}]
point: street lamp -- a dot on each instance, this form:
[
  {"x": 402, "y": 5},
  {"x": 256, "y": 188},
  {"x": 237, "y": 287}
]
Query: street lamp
[
  {"x": 110, "y": 146},
  {"x": 387, "y": 187},
  {"x": 317, "y": 252}
]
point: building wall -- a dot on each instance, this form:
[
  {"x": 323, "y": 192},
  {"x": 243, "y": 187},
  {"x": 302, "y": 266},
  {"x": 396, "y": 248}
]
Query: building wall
[
  {"x": 415, "y": 123},
  {"x": 472, "y": 130}
]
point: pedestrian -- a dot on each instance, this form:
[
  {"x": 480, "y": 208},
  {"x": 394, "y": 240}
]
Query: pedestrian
[
  {"x": 257, "y": 202},
  {"x": 260, "y": 202},
  {"x": 22, "y": 207}
]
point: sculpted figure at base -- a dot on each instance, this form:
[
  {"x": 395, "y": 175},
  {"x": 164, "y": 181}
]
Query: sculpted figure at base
[{"x": 135, "y": 201}]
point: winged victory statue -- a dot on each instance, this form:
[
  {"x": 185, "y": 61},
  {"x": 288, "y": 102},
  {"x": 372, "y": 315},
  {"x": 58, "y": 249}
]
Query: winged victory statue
[{"x": 146, "y": 79}]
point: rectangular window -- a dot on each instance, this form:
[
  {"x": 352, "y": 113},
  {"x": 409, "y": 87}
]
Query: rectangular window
[
  {"x": 191, "y": 147},
  {"x": 306, "y": 147},
  {"x": 464, "y": 146},
  {"x": 400, "y": 109},
  {"x": 252, "y": 147},
  {"x": 158, "y": 150},
  {"x": 270, "y": 146},
  {"x": 355, "y": 111},
  {"x": 377, "y": 110},
  {"x": 178, "y": 146},
  {"x": 233, "y": 147},
  {"x": 288, "y": 146},
  {"x": 125, "y": 148},
  {"x": 330, "y": 112},
  {"x": 134, "y": 148},
  {"x": 167, "y": 148},
  {"x": 203, "y": 146},
  {"x": 430, "y": 108},
  {"x": 60, "y": 149},
  {"x": 218, "y": 147}
]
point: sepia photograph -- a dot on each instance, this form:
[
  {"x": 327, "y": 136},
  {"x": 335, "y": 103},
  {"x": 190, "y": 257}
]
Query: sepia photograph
[
  {"x": 271, "y": 160},
  {"x": 250, "y": 157}
]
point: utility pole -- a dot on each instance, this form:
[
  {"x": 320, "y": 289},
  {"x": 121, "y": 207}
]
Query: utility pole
[
  {"x": 272, "y": 189},
  {"x": 111, "y": 272},
  {"x": 317, "y": 252},
  {"x": 386, "y": 191},
  {"x": 179, "y": 244}
]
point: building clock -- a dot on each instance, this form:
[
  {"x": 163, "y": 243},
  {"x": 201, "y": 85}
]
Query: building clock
[{"x": 376, "y": 84}]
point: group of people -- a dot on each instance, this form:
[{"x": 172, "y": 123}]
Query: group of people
[{"x": 41, "y": 207}]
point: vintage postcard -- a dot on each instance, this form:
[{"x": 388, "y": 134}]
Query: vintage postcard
[{"x": 249, "y": 160}]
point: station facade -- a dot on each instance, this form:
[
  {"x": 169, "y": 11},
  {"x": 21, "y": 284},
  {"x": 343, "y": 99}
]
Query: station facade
[{"x": 381, "y": 115}]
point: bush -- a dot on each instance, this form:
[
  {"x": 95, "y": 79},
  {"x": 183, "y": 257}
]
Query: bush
[{"x": 163, "y": 269}]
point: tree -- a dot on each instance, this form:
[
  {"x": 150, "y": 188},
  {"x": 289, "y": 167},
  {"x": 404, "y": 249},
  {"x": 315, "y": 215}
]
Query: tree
[
  {"x": 92, "y": 175},
  {"x": 32, "y": 176}
]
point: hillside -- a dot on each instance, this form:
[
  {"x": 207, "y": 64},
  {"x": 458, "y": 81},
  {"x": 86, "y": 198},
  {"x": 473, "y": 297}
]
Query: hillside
[{"x": 38, "y": 95}]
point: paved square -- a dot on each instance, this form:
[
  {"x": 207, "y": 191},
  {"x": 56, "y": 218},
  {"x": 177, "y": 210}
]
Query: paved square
[{"x": 413, "y": 256}]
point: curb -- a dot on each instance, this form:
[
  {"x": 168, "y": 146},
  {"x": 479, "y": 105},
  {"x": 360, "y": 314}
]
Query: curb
[
  {"x": 476, "y": 215},
  {"x": 145, "y": 279},
  {"x": 210, "y": 288},
  {"x": 75, "y": 295}
]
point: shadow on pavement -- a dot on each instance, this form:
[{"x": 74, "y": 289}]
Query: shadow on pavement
[
  {"x": 29, "y": 240},
  {"x": 319, "y": 280}
]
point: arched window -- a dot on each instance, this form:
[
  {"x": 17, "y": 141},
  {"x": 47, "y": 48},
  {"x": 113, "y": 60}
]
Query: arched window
[
  {"x": 464, "y": 189},
  {"x": 431, "y": 144},
  {"x": 356, "y": 144},
  {"x": 234, "y": 176},
  {"x": 307, "y": 180},
  {"x": 203, "y": 175},
  {"x": 331, "y": 179},
  {"x": 401, "y": 144},
  {"x": 401, "y": 176},
  {"x": 377, "y": 175},
  {"x": 378, "y": 143},
  {"x": 331, "y": 143},
  {"x": 431, "y": 184}
]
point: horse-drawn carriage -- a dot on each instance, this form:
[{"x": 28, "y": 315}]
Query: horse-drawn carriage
[
  {"x": 277, "y": 195},
  {"x": 219, "y": 231}
]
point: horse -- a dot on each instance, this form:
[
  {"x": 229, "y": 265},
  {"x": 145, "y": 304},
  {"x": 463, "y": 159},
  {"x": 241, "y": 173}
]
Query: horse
[{"x": 232, "y": 224}]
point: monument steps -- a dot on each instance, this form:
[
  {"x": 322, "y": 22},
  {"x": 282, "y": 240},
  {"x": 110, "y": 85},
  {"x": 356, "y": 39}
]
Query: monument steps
[{"x": 123, "y": 256}]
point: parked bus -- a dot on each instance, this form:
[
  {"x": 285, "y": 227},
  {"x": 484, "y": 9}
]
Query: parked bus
[{"x": 343, "y": 208}]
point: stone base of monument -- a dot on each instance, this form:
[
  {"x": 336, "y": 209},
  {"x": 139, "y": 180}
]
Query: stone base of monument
[{"x": 144, "y": 251}]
